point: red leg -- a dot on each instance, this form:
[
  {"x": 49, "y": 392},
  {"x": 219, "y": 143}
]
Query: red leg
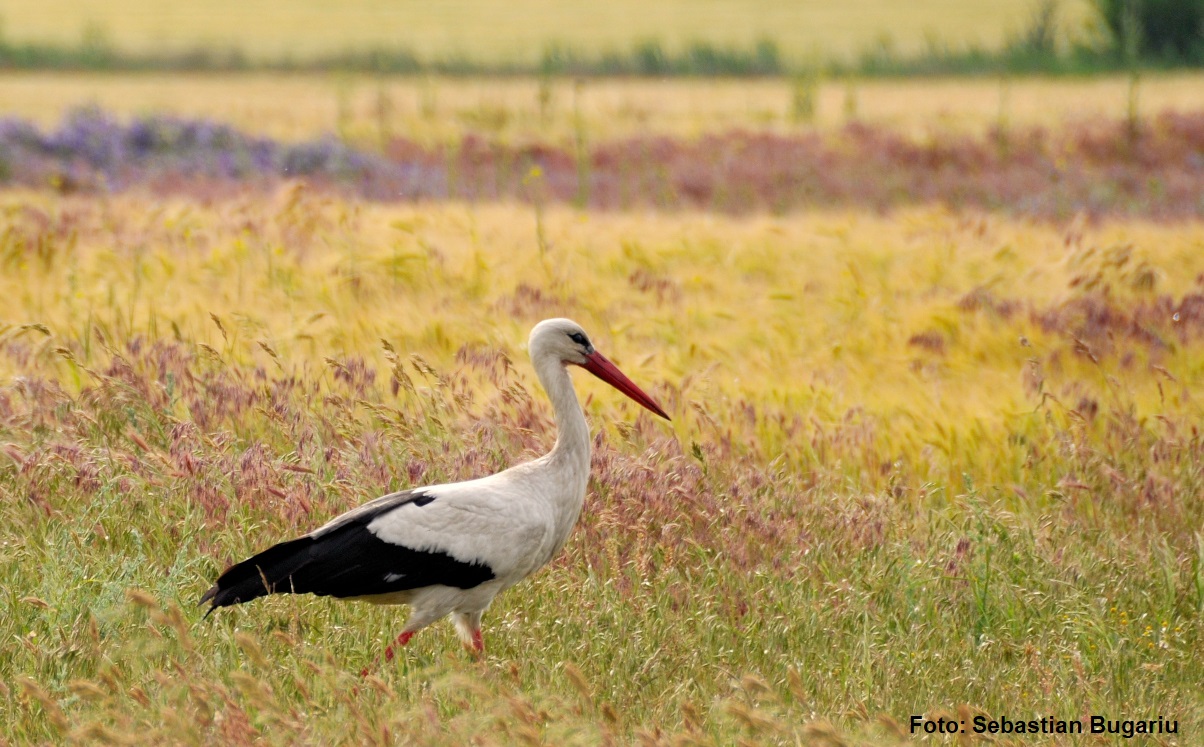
[
  {"x": 478, "y": 643},
  {"x": 402, "y": 640}
]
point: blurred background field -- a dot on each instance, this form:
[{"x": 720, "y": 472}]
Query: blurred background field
[
  {"x": 517, "y": 31},
  {"x": 439, "y": 110},
  {"x": 704, "y": 39}
]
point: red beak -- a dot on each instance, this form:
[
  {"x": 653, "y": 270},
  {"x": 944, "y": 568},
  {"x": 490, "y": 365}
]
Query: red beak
[{"x": 597, "y": 364}]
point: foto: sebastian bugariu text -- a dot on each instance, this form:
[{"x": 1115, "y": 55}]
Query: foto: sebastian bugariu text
[{"x": 1122, "y": 727}]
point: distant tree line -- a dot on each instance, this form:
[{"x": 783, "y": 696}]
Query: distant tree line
[{"x": 1167, "y": 30}]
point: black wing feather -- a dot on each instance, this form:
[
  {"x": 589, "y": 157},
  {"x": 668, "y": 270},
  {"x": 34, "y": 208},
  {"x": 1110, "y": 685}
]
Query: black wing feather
[{"x": 345, "y": 560}]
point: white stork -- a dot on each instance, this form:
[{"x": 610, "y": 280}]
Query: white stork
[{"x": 450, "y": 549}]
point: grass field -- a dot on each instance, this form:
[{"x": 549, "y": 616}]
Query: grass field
[
  {"x": 922, "y": 462},
  {"x": 923, "y": 459},
  {"x": 522, "y": 110},
  {"x": 519, "y": 31}
]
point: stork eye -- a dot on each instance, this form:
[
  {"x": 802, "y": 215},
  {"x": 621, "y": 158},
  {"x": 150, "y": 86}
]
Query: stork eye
[{"x": 580, "y": 339}]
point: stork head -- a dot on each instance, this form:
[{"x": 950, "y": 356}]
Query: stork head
[{"x": 566, "y": 341}]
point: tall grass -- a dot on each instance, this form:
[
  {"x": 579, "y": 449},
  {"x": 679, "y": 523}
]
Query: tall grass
[{"x": 920, "y": 463}]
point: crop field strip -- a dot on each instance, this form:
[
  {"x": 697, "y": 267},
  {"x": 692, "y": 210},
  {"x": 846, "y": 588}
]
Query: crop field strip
[
  {"x": 437, "y": 111},
  {"x": 518, "y": 30},
  {"x": 1146, "y": 169}
]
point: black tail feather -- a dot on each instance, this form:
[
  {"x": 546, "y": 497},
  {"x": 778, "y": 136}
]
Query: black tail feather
[
  {"x": 347, "y": 561},
  {"x": 269, "y": 572}
]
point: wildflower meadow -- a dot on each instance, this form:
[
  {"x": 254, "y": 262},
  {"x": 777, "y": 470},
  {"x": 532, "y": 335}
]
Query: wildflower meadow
[{"x": 935, "y": 384}]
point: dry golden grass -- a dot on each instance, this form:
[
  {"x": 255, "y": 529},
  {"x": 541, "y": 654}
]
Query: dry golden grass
[
  {"x": 760, "y": 309},
  {"x": 519, "y": 30},
  {"x": 445, "y": 110}
]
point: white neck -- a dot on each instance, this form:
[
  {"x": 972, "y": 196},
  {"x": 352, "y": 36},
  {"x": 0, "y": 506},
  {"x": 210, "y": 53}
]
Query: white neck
[
  {"x": 564, "y": 470},
  {"x": 572, "y": 439}
]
